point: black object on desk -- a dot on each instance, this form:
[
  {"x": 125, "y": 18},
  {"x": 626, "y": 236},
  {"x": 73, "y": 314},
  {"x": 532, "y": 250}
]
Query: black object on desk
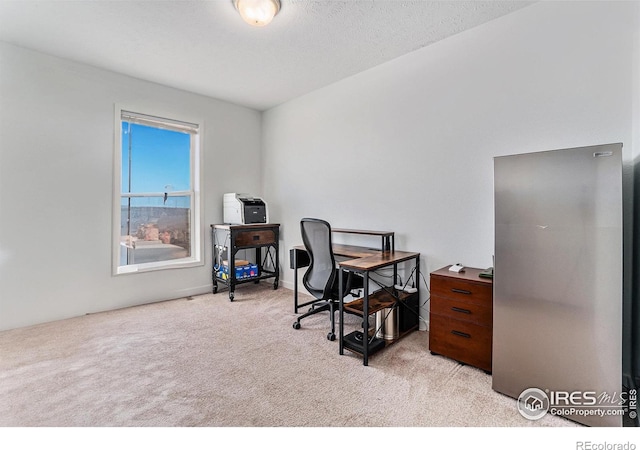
[
  {"x": 487, "y": 273},
  {"x": 354, "y": 340}
]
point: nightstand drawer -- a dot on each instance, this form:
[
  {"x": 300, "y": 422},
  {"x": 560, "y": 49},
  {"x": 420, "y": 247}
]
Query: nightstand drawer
[
  {"x": 256, "y": 237},
  {"x": 463, "y": 341},
  {"x": 465, "y": 311},
  {"x": 462, "y": 290}
]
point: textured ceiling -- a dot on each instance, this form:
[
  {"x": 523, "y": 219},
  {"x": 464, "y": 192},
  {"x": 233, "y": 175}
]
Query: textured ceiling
[{"x": 204, "y": 46}]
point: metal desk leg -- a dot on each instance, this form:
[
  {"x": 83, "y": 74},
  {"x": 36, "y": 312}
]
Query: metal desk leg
[
  {"x": 341, "y": 313},
  {"x": 214, "y": 260},
  {"x": 418, "y": 277},
  {"x": 276, "y": 249},
  {"x": 232, "y": 273},
  {"x": 365, "y": 319},
  {"x": 395, "y": 274},
  {"x": 295, "y": 281},
  {"x": 259, "y": 262},
  {"x": 277, "y": 267}
]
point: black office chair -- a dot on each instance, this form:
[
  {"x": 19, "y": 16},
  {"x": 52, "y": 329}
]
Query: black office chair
[{"x": 321, "y": 278}]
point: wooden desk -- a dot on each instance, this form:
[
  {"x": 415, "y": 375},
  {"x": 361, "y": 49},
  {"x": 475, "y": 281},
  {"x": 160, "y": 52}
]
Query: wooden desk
[
  {"x": 348, "y": 251},
  {"x": 370, "y": 262},
  {"x": 363, "y": 260},
  {"x": 381, "y": 299},
  {"x": 298, "y": 257}
]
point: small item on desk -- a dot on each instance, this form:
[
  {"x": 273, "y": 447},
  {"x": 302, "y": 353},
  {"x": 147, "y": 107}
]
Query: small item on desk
[
  {"x": 405, "y": 288},
  {"x": 457, "y": 268},
  {"x": 353, "y": 341},
  {"x": 487, "y": 273}
]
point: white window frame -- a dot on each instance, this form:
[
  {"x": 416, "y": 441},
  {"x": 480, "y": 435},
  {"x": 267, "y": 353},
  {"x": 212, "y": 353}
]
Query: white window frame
[{"x": 196, "y": 233}]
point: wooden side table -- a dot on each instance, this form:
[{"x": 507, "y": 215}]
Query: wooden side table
[{"x": 227, "y": 240}]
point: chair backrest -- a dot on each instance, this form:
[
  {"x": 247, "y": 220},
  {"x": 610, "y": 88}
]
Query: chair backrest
[{"x": 319, "y": 277}]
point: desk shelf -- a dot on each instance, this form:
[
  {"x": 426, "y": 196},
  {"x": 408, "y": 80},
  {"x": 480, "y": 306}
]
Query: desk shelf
[
  {"x": 407, "y": 304},
  {"x": 379, "y": 300}
]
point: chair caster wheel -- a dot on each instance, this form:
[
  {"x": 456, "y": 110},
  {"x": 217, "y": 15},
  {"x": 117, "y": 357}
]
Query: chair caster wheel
[
  {"x": 331, "y": 336},
  {"x": 296, "y": 325}
]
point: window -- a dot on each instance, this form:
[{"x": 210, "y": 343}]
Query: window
[{"x": 156, "y": 223}]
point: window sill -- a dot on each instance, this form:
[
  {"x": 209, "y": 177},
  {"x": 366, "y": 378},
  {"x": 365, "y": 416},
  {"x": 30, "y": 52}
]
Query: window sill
[{"x": 162, "y": 265}]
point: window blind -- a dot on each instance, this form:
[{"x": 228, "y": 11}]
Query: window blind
[{"x": 159, "y": 122}]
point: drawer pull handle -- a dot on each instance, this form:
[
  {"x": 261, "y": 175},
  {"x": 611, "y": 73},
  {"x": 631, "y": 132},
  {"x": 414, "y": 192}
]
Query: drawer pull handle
[
  {"x": 460, "y": 310},
  {"x": 460, "y": 291},
  {"x": 461, "y": 334}
]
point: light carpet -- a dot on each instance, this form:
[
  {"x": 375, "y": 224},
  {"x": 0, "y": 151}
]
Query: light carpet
[{"x": 208, "y": 362}]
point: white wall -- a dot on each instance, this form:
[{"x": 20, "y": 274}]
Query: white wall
[
  {"x": 56, "y": 178},
  {"x": 406, "y": 146},
  {"x": 409, "y": 145}
]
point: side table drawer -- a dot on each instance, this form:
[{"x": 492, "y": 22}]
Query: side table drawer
[
  {"x": 456, "y": 309},
  {"x": 463, "y": 341},
  {"x": 253, "y": 238},
  {"x": 462, "y": 290}
]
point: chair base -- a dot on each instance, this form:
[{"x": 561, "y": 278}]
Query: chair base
[{"x": 321, "y": 306}]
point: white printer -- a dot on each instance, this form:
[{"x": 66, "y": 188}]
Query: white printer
[{"x": 244, "y": 209}]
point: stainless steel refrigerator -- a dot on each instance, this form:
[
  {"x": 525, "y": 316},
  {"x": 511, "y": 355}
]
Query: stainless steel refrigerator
[{"x": 558, "y": 268}]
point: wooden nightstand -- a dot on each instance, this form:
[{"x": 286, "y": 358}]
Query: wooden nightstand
[{"x": 461, "y": 316}]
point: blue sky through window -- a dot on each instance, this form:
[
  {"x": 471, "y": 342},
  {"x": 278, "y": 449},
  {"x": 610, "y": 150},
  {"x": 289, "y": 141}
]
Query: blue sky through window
[{"x": 160, "y": 159}]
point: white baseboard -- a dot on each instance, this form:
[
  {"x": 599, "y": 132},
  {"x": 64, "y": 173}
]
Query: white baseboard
[
  {"x": 196, "y": 290},
  {"x": 286, "y": 284}
]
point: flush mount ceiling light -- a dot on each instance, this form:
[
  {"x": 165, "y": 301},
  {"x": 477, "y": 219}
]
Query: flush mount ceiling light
[{"x": 257, "y": 12}]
